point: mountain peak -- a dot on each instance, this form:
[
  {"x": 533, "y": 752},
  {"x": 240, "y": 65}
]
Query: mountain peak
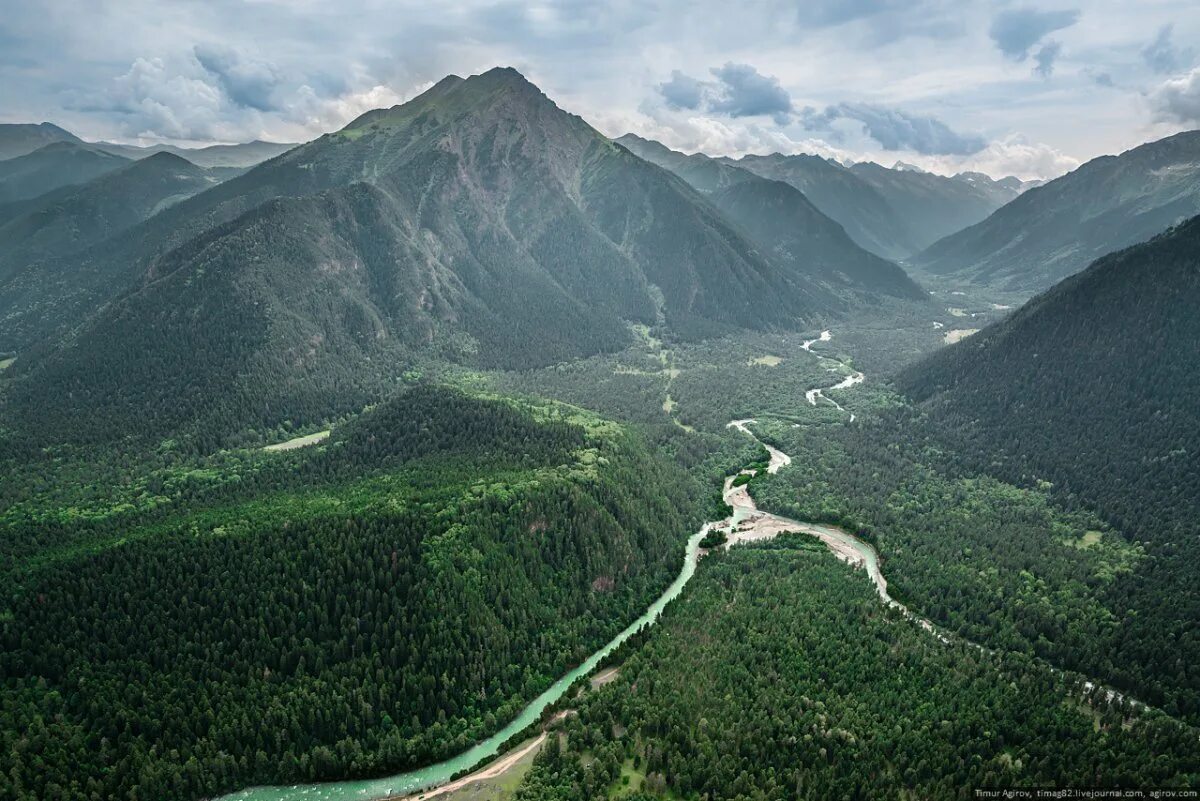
[
  {"x": 165, "y": 158},
  {"x": 503, "y": 73}
]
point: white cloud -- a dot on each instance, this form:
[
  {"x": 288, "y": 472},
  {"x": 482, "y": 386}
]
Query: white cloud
[
  {"x": 1012, "y": 155},
  {"x": 292, "y": 70},
  {"x": 1178, "y": 99}
]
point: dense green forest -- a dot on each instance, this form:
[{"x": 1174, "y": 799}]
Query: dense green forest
[
  {"x": 368, "y": 605},
  {"x": 1000, "y": 564},
  {"x": 1074, "y": 567},
  {"x": 519, "y": 347},
  {"x": 1093, "y": 391},
  {"x": 779, "y": 675}
]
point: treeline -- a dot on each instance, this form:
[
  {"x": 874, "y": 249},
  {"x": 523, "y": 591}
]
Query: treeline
[
  {"x": 779, "y": 675},
  {"x": 382, "y": 602}
]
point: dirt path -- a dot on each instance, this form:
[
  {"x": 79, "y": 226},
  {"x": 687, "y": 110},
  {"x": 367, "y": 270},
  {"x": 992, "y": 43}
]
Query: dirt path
[{"x": 299, "y": 442}]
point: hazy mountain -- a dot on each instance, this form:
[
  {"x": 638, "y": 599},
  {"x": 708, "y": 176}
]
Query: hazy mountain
[
  {"x": 100, "y": 208},
  {"x": 1094, "y": 387},
  {"x": 893, "y": 212},
  {"x": 783, "y": 223},
  {"x": 19, "y": 139},
  {"x": 704, "y": 173},
  {"x": 932, "y": 206},
  {"x": 1056, "y": 229},
  {"x": 53, "y": 166},
  {"x": 477, "y": 222},
  {"x": 246, "y": 154},
  {"x": 842, "y": 195}
]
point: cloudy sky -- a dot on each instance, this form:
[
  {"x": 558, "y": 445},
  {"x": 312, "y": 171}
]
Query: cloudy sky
[{"x": 1030, "y": 89}]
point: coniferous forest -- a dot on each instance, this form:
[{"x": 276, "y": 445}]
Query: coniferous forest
[{"x": 342, "y": 461}]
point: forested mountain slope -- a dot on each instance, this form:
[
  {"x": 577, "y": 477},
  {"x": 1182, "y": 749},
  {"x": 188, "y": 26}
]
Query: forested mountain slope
[
  {"x": 790, "y": 230},
  {"x": 784, "y": 224},
  {"x": 55, "y": 165},
  {"x": 892, "y": 212},
  {"x": 1057, "y": 229},
  {"x": 357, "y": 608},
  {"x": 62, "y": 224},
  {"x": 478, "y": 222},
  {"x": 45, "y": 281},
  {"x": 1095, "y": 387}
]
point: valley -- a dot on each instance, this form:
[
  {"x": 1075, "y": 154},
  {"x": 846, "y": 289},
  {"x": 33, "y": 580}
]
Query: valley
[{"x": 469, "y": 450}]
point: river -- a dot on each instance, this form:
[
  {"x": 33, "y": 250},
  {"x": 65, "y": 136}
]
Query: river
[
  {"x": 442, "y": 772},
  {"x": 748, "y": 523}
]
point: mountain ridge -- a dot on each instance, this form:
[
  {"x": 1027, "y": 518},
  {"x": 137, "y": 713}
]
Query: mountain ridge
[
  {"x": 1057, "y": 229},
  {"x": 784, "y": 224},
  {"x": 478, "y": 222}
]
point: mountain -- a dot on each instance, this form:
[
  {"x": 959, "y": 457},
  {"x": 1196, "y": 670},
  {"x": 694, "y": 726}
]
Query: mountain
[
  {"x": 704, "y": 173},
  {"x": 1057, "y": 229},
  {"x": 53, "y": 166},
  {"x": 19, "y": 139},
  {"x": 931, "y": 206},
  {"x": 842, "y": 195},
  {"x": 115, "y": 201},
  {"x": 893, "y": 212},
  {"x": 1094, "y": 387},
  {"x": 783, "y": 223},
  {"x": 42, "y": 284},
  {"x": 478, "y": 222},
  {"x": 246, "y": 154}
]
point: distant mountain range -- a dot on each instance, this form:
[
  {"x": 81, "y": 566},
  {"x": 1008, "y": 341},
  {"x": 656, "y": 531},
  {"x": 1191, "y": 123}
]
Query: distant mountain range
[
  {"x": 51, "y": 167},
  {"x": 1055, "y": 230},
  {"x": 891, "y": 212},
  {"x": 45, "y": 283},
  {"x": 24, "y": 138},
  {"x": 478, "y": 223},
  {"x": 782, "y": 222}
]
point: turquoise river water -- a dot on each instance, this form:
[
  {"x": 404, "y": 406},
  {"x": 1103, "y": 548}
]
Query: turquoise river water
[{"x": 744, "y": 509}]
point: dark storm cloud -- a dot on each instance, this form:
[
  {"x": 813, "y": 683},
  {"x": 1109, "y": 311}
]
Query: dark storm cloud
[
  {"x": 247, "y": 82},
  {"x": 744, "y": 92},
  {"x": 1017, "y": 30},
  {"x": 1178, "y": 99},
  {"x": 682, "y": 91},
  {"x": 1045, "y": 57},
  {"x": 739, "y": 90},
  {"x": 896, "y": 130}
]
